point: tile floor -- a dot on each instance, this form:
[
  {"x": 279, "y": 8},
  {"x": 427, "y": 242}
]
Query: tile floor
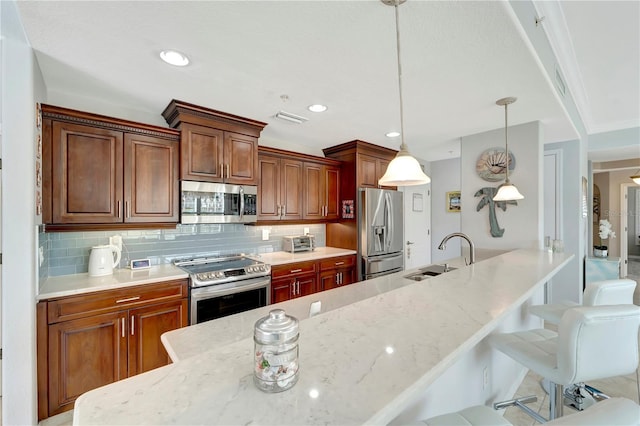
[{"x": 620, "y": 386}]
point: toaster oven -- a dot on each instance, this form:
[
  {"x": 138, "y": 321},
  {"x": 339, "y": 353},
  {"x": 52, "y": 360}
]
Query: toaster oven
[{"x": 300, "y": 243}]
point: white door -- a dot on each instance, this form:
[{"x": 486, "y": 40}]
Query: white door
[
  {"x": 417, "y": 232},
  {"x": 625, "y": 215}
]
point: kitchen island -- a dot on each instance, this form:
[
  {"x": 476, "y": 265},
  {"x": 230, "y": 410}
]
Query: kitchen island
[{"x": 364, "y": 362}]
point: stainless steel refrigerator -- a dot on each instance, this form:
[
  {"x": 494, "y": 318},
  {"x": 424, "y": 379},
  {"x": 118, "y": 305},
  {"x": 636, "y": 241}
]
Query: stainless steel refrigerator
[{"x": 380, "y": 232}]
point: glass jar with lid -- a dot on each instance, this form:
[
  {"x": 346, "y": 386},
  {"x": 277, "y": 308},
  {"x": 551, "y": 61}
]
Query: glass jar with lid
[{"x": 276, "y": 352}]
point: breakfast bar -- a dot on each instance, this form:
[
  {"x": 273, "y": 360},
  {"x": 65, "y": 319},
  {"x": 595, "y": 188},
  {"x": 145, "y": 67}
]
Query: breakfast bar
[{"x": 364, "y": 362}]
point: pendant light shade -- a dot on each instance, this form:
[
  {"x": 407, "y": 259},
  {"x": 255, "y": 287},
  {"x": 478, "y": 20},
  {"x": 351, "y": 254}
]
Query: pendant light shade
[
  {"x": 636, "y": 178},
  {"x": 507, "y": 191},
  {"x": 403, "y": 170}
]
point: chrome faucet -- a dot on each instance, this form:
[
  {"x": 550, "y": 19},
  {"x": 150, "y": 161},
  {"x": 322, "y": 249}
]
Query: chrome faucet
[{"x": 472, "y": 247}]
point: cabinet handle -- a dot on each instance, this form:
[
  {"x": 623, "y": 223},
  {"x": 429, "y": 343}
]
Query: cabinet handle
[
  {"x": 122, "y": 328},
  {"x": 127, "y": 209},
  {"x": 339, "y": 263},
  {"x": 284, "y": 210},
  {"x": 292, "y": 289},
  {"x": 222, "y": 170},
  {"x": 341, "y": 278},
  {"x": 128, "y": 299},
  {"x": 298, "y": 287},
  {"x": 293, "y": 271},
  {"x": 133, "y": 319},
  {"x": 228, "y": 171},
  {"x": 118, "y": 209}
]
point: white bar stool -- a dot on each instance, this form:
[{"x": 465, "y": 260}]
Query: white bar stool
[
  {"x": 609, "y": 292},
  {"x": 591, "y": 343},
  {"x": 614, "y": 411}
]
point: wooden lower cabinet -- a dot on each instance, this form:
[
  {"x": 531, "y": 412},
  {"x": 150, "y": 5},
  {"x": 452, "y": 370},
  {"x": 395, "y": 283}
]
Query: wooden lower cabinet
[
  {"x": 104, "y": 343},
  {"x": 337, "y": 271},
  {"x": 302, "y": 279}
]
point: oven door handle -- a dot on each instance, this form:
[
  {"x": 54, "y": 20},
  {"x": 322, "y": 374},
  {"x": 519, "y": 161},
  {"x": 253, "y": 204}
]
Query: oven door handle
[
  {"x": 241, "y": 198},
  {"x": 200, "y": 293}
]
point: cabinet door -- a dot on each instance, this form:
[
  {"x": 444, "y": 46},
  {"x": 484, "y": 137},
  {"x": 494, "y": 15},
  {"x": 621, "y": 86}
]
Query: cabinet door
[
  {"x": 150, "y": 179},
  {"x": 269, "y": 188},
  {"x": 313, "y": 205},
  {"x": 291, "y": 189},
  {"x": 146, "y": 325},
  {"x": 201, "y": 153},
  {"x": 332, "y": 192},
  {"x": 305, "y": 285},
  {"x": 381, "y": 170},
  {"x": 240, "y": 159},
  {"x": 367, "y": 174},
  {"x": 348, "y": 276},
  {"x": 282, "y": 289},
  {"x": 328, "y": 280},
  {"x": 86, "y": 174},
  {"x": 85, "y": 354}
]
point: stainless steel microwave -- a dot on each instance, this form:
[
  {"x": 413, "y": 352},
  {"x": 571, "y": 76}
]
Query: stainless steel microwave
[{"x": 206, "y": 202}]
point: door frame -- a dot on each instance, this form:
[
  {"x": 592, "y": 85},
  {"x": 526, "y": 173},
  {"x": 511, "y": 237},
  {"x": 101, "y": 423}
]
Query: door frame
[{"x": 624, "y": 227}]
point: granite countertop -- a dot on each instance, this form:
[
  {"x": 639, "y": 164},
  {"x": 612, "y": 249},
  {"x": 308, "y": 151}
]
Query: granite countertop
[
  {"x": 283, "y": 257},
  {"x": 364, "y": 362},
  {"x": 69, "y": 285},
  {"x": 196, "y": 339}
]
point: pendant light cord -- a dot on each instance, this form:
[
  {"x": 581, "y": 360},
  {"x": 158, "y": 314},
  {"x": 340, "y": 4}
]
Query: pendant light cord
[
  {"x": 403, "y": 147},
  {"x": 506, "y": 143}
]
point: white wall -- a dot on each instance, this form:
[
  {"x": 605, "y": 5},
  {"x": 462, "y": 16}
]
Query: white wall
[
  {"x": 523, "y": 223},
  {"x": 445, "y": 177},
  {"x": 21, "y": 84},
  {"x": 567, "y": 283}
]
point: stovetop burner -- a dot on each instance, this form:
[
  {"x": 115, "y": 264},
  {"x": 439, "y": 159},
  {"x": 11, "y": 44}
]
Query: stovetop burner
[{"x": 205, "y": 271}]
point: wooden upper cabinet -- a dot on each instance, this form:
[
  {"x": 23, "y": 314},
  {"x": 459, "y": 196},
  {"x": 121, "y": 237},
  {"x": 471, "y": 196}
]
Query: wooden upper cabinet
[
  {"x": 86, "y": 174},
  {"x": 215, "y": 146},
  {"x": 279, "y": 188},
  {"x": 100, "y": 172},
  {"x": 241, "y": 159},
  {"x": 322, "y": 194},
  {"x": 151, "y": 179},
  {"x": 201, "y": 153}
]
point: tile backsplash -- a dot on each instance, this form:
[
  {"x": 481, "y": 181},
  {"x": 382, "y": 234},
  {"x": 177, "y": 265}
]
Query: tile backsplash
[{"x": 67, "y": 253}]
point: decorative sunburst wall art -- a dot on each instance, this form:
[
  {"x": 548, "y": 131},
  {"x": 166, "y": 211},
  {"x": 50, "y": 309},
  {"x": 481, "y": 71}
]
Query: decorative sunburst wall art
[{"x": 492, "y": 162}]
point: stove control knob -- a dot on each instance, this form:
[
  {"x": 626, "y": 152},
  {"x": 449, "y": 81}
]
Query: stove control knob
[
  {"x": 249, "y": 269},
  {"x": 219, "y": 274}
]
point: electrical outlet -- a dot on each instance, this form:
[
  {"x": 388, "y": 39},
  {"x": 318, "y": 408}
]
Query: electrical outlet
[
  {"x": 485, "y": 377},
  {"x": 315, "y": 308},
  {"x": 265, "y": 234},
  {"x": 116, "y": 240},
  {"x": 306, "y": 230},
  {"x": 40, "y": 255}
]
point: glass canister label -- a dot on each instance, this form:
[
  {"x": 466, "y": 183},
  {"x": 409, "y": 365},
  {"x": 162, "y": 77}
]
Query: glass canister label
[{"x": 276, "y": 370}]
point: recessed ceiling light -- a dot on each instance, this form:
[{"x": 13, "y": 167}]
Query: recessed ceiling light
[
  {"x": 392, "y": 134},
  {"x": 174, "y": 57},
  {"x": 317, "y": 108}
]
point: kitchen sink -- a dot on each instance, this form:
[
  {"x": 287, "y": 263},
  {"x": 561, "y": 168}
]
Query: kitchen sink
[{"x": 429, "y": 271}]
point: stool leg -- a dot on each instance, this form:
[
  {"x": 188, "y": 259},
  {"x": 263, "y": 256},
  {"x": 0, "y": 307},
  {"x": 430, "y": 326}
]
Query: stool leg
[{"x": 555, "y": 401}]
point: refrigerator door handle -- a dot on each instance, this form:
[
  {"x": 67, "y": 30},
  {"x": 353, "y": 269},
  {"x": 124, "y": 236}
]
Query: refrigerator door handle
[{"x": 389, "y": 219}]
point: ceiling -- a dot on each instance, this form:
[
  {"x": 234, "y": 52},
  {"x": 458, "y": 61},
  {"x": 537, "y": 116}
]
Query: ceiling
[{"x": 458, "y": 58}]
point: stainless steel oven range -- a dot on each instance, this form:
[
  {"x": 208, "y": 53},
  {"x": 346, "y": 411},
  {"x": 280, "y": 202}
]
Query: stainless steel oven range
[{"x": 226, "y": 285}]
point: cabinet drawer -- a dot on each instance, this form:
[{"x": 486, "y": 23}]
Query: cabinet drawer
[
  {"x": 337, "y": 262},
  {"x": 80, "y": 306},
  {"x": 293, "y": 269}
]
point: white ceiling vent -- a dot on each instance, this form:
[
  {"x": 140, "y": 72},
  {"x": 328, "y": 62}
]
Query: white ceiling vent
[{"x": 291, "y": 117}]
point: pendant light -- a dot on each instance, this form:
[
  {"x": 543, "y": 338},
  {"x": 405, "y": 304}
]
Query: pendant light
[
  {"x": 403, "y": 170},
  {"x": 507, "y": 191},
  {"x": 636, "y": 178}
]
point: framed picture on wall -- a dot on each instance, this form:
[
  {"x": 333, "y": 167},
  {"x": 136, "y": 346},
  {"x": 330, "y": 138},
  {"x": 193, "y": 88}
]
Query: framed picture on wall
[
  {"x": 347, "y": 209},
  {"x": 453, "y": 201}
]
